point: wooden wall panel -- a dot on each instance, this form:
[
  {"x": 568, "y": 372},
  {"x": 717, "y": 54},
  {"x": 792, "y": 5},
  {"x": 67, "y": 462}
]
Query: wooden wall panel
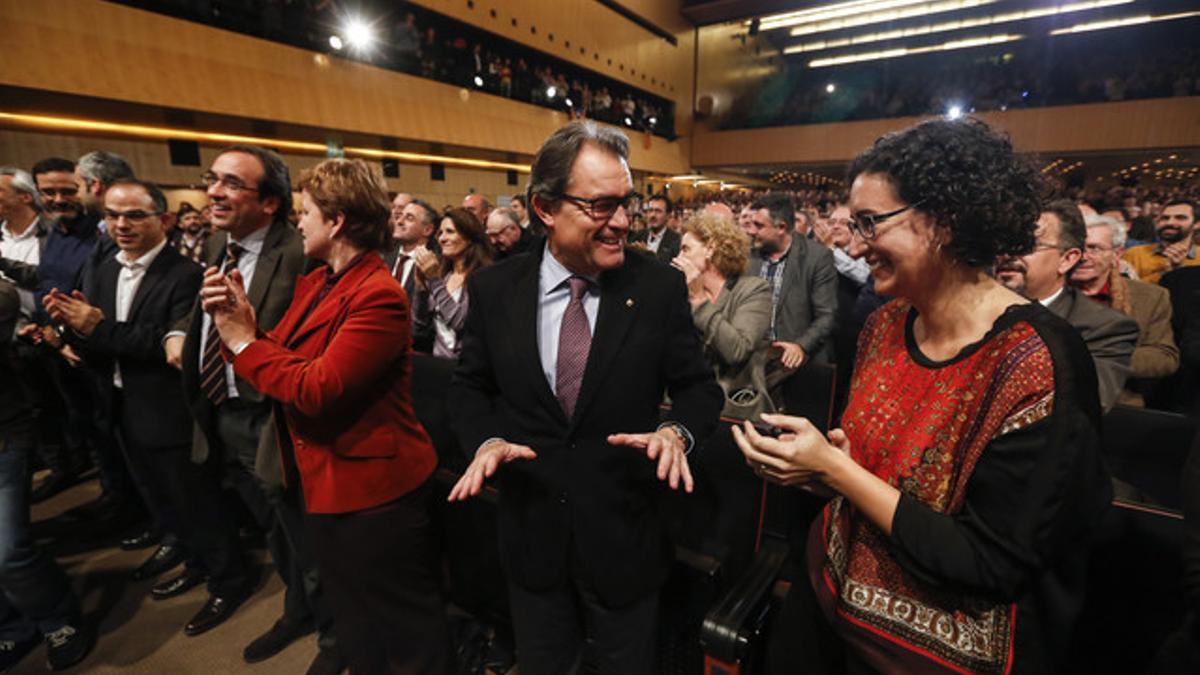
[
  {"x": 151, "y": 161},
  {"x": 1128, "y": 125},
  {"x": 100, "y": 49}
]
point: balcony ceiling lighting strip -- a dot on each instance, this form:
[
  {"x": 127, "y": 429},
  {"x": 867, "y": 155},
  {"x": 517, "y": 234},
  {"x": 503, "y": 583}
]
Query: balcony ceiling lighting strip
[
  {"x": 924, "y": 9},
  {"x": 962, "y": 24},
  {"x": 910, "y": 51},
  {"x": 1121, "y": 23},
  {"x": 831, "y": 12},
  {"x": 165, "y": 133}
]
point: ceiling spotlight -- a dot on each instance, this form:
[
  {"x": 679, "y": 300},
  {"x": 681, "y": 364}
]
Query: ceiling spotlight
[
  {"x": 335, "y": 42},
  {"x": 653, "y": 121},
  {"x": 830, "y": 88},
  {"x": 551, "y": 91},
  {"x": 628, "y": 122},
  {"x": 478, "y": 81},
  {"x": 570, "y": 103},
  {"x": 954, "y": 112},
  {"x": 359, "y": 34}
]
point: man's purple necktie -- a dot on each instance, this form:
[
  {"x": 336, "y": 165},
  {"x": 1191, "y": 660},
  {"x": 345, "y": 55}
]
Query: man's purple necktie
[{"x": 574, "y": 343}]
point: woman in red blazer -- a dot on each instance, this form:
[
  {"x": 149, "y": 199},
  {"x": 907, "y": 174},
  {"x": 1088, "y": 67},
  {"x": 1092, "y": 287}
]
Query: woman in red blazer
[{"x": 338, "y": 366}]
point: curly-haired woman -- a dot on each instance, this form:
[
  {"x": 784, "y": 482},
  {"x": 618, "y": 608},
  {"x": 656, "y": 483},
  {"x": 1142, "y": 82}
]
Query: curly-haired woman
[{"x": 966, "y": 477}]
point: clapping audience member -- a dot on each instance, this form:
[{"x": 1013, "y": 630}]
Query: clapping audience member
[
  {"x": 412, "y": 233},
  {"x": 1098, "y": 277},
  {"x": 36, "y": 600},
  {"x": 970, "y": 409},
  {"x": 337, "y": 367},
  {"x": 465, "y": 248},
  {"x": 1176, "y": 248},
  {"x": 731, "y": 310}
]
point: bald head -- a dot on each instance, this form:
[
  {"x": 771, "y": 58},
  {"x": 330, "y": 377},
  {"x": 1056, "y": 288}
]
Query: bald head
[{"x": 477, "y": 204}]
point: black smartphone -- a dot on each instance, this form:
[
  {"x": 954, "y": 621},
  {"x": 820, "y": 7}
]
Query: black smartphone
[{"x": 766, "y": 429}]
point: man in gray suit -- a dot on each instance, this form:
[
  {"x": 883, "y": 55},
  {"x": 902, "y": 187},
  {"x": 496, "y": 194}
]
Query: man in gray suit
[
  {"x": 1042, "y": 276},
  {"x": 250, "y": 193},
  {"x": 804, "y": 286}
]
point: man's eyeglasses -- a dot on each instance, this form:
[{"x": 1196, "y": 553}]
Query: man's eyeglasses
[
  {"x": 601, "y": 209},
  {"x": 135, "y": 217},
  {"x": 866, "y": 225},
  {"x": 228, "y": 182}
]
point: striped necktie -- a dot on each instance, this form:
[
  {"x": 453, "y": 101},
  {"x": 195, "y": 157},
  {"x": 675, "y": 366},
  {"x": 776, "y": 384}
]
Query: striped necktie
[{"x": 212, "y": 366}]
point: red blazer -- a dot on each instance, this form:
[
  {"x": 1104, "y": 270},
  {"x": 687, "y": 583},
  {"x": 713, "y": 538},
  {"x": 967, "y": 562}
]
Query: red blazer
[{"x": 343, "y": 377}]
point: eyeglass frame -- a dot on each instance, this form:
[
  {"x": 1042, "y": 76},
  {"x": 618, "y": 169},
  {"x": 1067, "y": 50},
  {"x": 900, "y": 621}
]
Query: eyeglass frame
[
  {"x": 869, "y": 232},
  {"x": 211, "y": 178},
  {"x": 588, "y": 206}
]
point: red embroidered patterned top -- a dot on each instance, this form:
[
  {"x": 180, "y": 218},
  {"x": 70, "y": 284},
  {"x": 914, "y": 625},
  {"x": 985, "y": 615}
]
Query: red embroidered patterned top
[{"x": 981, "y": 447}]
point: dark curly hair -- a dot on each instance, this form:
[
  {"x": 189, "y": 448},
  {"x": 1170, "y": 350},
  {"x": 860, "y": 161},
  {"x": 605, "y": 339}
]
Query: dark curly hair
[{"x": 967, "y": 178}]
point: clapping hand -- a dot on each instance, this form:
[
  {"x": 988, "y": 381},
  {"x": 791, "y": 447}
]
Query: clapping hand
[{"x": 224, "y": 297}]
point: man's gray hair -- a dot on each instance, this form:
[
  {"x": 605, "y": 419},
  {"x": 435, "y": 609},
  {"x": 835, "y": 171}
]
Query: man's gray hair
[
  {"x": 508, "y": 214},
  {"x": 551, "y": 169},
  {"x": 23, "y": 182},
  {"x": 105, "y": 167},
  {"x": 1117, "y": 227}
]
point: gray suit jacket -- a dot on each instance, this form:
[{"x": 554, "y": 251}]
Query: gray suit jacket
[
  {"x": 807, "y": 304},
  {"x": 281, "y": 262},
  {"x": 735, "y": 331},
  {"x": 1110, "y": 337}
]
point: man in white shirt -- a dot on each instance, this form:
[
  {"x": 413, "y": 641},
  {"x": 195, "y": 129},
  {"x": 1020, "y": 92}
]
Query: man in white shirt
[
  {"x": 659, "y": 239},
  {"x": 22, "y": 231}
]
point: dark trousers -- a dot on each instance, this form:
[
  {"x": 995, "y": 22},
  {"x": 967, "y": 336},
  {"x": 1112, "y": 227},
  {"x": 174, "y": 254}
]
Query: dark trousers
[
  {"x": 35, "y": 596},
  {"x": 100, "y": 422},
  {"x": 802, "y": 641},
  {"x": 185, "y": 502},
  {"x": 568, "y": 630},
  {"x": 379, "y": 575},
  {"x": 238, "y": 427}
]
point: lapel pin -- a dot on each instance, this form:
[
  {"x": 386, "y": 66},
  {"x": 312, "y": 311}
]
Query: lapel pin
[{"x": 629, "y": 302}]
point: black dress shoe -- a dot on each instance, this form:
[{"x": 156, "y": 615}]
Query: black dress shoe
[
  {"x": 163, "y": 559},
  {"x": 186, "y": 581},
  {"x": 213, "y": 614},
  {"x": 327, "y": 662},
  {"x": 54, "y": 483},
  {"x": 68, "y": 646},
  {"x": 143, "y": 539},
  {"x": 283, "y": 633}
]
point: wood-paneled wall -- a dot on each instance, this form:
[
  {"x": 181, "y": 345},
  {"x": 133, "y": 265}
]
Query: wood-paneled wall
[
  {"x": 1128, "y": 125},
  {"x": 100, "y": 49}
]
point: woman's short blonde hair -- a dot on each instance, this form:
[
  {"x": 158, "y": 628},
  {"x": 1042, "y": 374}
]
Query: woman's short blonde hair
[
  {"x": 729, "y": 243},
  {"x": 354, "y": 189}
]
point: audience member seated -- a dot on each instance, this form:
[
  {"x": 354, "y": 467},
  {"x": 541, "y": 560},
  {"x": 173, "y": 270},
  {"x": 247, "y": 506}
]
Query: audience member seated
[
  {"x": 1097, "y": 276},
  {"x": 657, "y": 237},
  {"x": 337, "y": 366},
  {"x": 506, "y": 234},
  {"x": 443, "y": 301},
  {"x": 731, "y": 310},
  {"x": 1041, "y": 276},
  {"x": 803, "y": 286},
  {"x": 948, "y": 516},
  {"x": 1175, "y": 226}
]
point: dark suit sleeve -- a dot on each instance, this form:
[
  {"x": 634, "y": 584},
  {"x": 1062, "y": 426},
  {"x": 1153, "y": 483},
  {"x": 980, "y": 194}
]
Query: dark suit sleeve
[
  {"x": 143, "y": 340},
  {"x": 696, "y": 399},
  {"x": 822, "y": 291},
  {"x": 1111, "y": 346},
  {"x": 23, "y": 274},
  {"x": 473, "y": 388}
]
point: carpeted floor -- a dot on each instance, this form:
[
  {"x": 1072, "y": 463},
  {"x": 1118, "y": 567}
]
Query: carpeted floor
[{"x": 139, "y": 635}]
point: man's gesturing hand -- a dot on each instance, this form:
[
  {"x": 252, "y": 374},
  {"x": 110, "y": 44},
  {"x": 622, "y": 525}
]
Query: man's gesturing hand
[
  {"x": 666, "y": 447},
  {"x": 489, "y": 458}
]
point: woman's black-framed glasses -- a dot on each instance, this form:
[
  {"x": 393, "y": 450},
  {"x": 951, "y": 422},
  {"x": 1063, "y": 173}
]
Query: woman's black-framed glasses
[
  {"x": 865, "y": 225},
  {"x": 601, "y": 209}
]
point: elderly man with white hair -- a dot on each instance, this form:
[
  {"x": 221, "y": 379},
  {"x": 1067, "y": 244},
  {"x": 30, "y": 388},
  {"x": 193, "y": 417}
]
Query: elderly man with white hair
[
  {"x": 1098, "y": 276},
  {"x": 22, "y": 231}
]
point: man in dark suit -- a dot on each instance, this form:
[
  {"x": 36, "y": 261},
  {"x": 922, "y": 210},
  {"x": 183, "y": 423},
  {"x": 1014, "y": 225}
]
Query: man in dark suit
[
  {"x": 542, "y": 401},
  {"x": 119, "y": 321},
  {"x": 1042, "y": 277},
  {"x": 250, "y": 192},
  {"x": 658, "y": 239},
  {"x": 805, "y": 285},
  {"x": 508, "y": 238},
  {"x": 412, "y": 230}
]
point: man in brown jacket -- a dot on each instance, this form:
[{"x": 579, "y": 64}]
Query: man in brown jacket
[{"x": 1098, "y": 277}]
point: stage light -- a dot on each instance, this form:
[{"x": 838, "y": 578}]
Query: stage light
[
  {"x": 570, "y": 103},
  {"x": 478, "y": 81},
  {"x": 830, "y": 88},
  {"x": 628, "y": 122},
  {"x": 1121, "y": 23},
  {"x": 954, "y": 112},
  {"x": 359, "y": 34},
  {"x": 336, "y": 42},
  {"x": 653, "y": 121},
  {"x": 909, "y": 51},
  {"x": 889, "y": 16},
  {"x": 551, "y": 92}
]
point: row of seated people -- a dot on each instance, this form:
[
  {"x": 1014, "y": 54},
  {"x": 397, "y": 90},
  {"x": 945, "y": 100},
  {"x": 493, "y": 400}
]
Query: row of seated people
[{"x": 128, "y": 318}]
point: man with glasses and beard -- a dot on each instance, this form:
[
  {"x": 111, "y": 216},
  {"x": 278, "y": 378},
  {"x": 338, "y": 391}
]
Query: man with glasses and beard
[
  {"x": 1041, "y": 276},
  {"x": 1175, "y": 225}
]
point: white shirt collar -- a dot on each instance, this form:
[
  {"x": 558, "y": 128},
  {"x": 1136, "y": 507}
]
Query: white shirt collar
[
  {"x": 1046, "y": 301},
  {"x": 144, "y": 261},
  {"x": 553, "y": 273},
  {"x": 29, "y": 232}
]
